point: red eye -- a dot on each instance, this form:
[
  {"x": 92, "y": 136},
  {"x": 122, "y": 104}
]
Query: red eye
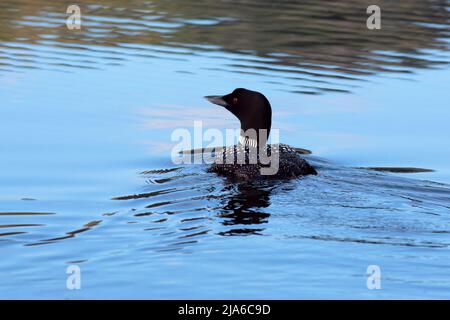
[{"x": 235, "y": 100}]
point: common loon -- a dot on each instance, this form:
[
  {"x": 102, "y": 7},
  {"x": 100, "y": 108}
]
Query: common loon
[{"x": 255, "y": 114}]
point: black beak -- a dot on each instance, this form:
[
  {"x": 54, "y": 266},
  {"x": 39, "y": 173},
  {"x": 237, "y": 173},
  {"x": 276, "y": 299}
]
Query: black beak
[{"x": 217, "y": 100}]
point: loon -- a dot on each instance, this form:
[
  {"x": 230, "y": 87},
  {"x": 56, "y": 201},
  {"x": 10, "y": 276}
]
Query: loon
[{"x": 255, "y": 115}]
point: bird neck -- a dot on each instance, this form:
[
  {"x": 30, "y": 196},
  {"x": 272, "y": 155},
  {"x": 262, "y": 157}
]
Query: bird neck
[{"x": 248, "y": 142}]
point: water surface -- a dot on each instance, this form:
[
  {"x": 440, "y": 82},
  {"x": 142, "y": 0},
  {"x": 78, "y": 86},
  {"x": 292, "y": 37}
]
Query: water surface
[{"x": 86, "y": 176}]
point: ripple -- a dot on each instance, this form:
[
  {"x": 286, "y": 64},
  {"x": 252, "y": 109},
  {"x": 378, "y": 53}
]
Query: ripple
[
  {"x": 295, "y": 46},
  {"x": 355, "y": 200},
  {"x": 71, "y": 234},
  {"x": 25, "y": 213}
]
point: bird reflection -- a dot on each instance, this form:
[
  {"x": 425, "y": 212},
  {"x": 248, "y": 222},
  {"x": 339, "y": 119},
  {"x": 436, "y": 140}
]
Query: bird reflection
[{"x": 244, "y": 208}]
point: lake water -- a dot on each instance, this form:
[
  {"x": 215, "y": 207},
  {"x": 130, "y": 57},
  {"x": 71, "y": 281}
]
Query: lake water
[{"x": 86, "y": 176}]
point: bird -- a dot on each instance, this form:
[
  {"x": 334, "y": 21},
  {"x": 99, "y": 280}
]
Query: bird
[{"x": 248, "y": 160}]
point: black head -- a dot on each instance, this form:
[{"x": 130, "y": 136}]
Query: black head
[{"x": 251, "y": 108}]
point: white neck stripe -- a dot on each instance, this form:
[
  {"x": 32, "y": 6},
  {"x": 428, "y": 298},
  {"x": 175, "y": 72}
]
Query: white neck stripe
[{"x": 246, "y": 141}]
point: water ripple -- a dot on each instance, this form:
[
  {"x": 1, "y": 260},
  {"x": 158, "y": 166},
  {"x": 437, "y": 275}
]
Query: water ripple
[{"x": 295, "y": 46}]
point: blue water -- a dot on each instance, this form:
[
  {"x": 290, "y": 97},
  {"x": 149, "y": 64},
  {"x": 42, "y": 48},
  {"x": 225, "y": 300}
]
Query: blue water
[{"x": 86, "y": 176}]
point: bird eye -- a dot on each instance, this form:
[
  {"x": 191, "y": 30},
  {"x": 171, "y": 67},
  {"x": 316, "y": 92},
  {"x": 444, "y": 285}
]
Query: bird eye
[{"x": 235, "y": 100}]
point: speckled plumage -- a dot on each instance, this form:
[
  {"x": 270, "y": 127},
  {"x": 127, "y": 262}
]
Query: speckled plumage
[{"x": 290, "y": 164}]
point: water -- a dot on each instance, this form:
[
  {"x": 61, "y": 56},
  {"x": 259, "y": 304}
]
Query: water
[{"x": 86, "y": 176}]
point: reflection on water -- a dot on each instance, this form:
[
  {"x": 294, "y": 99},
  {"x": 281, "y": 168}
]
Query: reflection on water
[
  {"x": 322, "y": 46},
  {"x": 244, "y": 208},
  {"x": 188, "y": 203},
  {"x": 187, "y": 211}
]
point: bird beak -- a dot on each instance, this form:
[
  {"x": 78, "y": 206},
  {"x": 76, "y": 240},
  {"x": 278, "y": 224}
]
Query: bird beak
[{"x": 217, "y": 100}]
